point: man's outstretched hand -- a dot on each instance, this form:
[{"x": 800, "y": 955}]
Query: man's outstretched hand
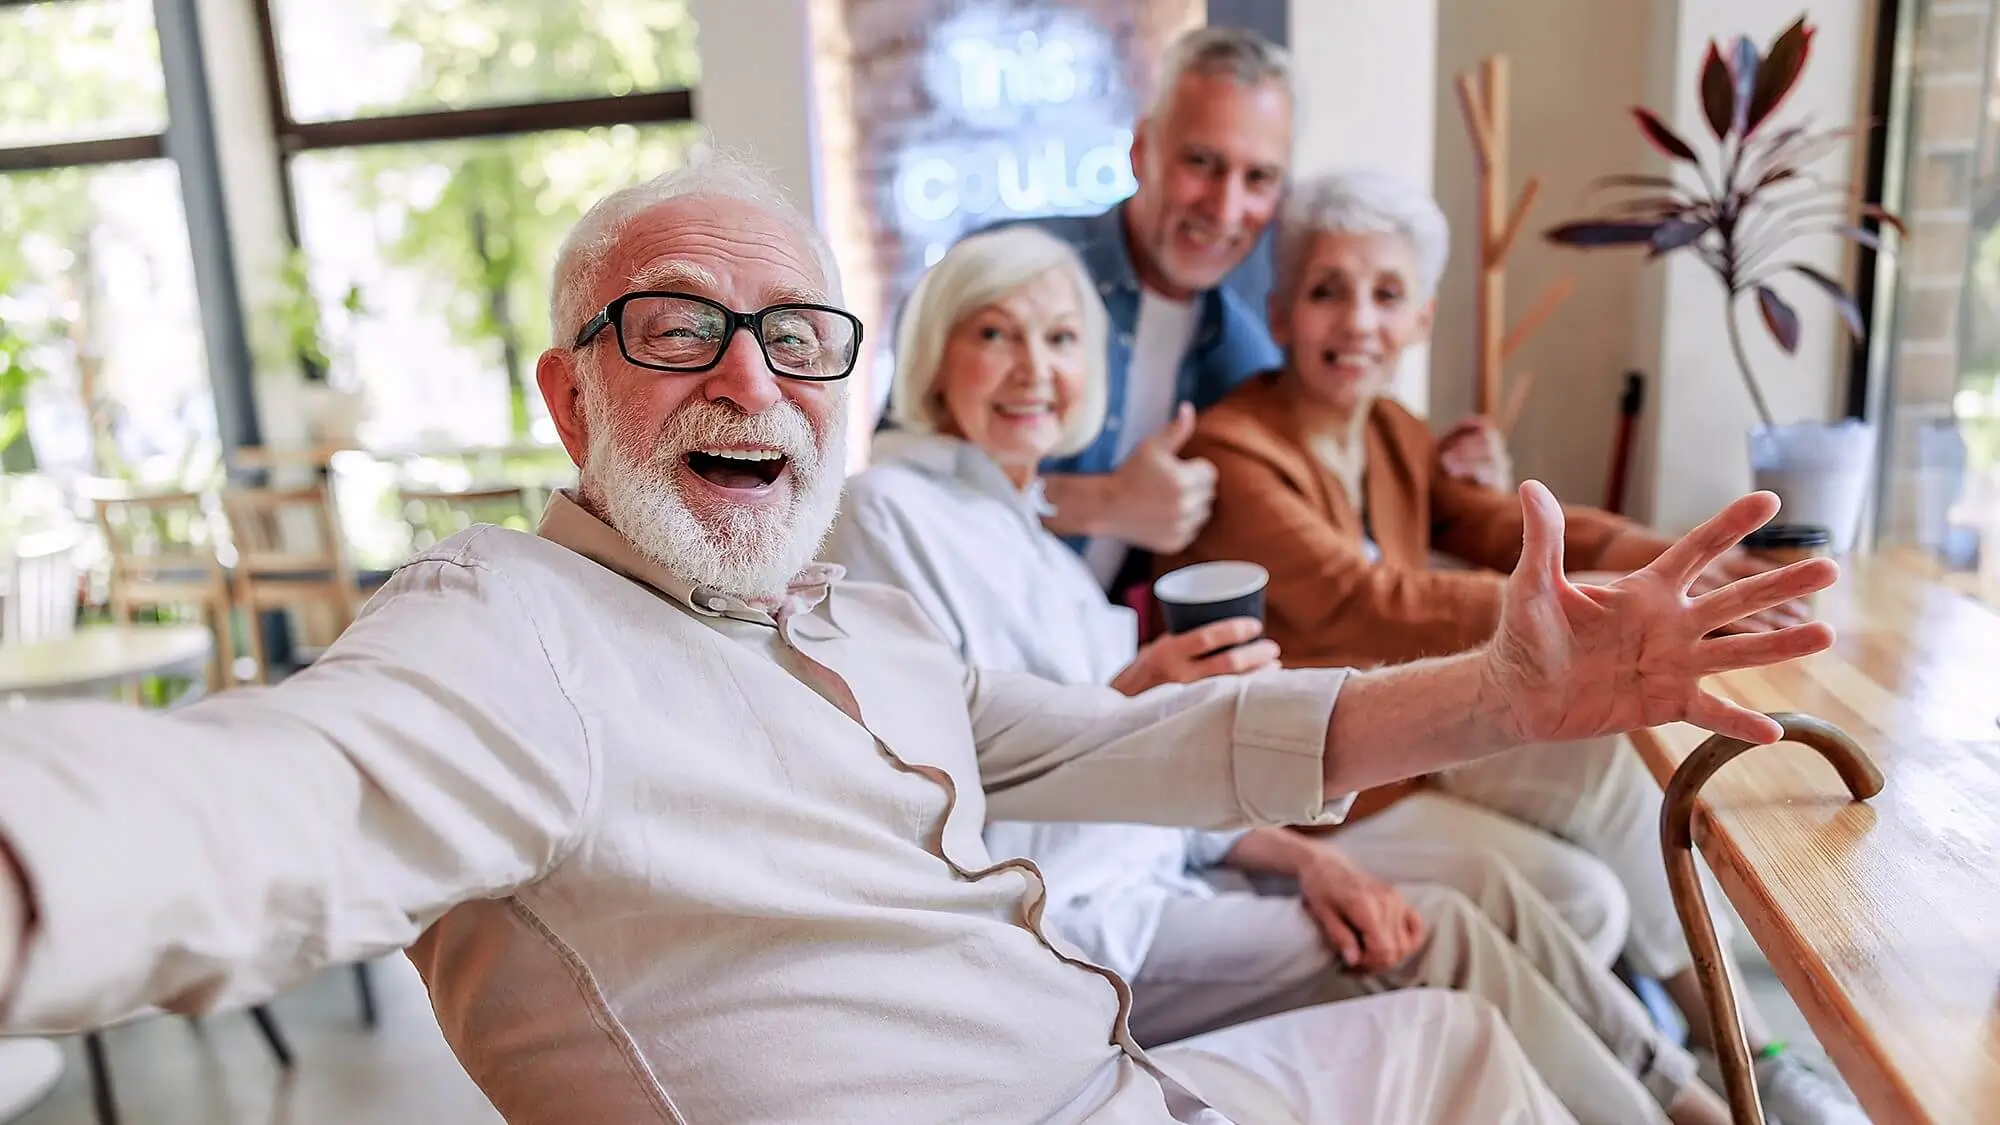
[{"x": 1571, "y": 662}]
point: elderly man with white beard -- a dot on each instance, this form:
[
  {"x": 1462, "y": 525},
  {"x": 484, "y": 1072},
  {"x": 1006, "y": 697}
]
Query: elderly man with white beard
[{"x": 678, "y": 827}]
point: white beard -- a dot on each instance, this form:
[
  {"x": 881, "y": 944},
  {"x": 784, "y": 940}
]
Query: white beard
[{"x": 749, "y": 553}]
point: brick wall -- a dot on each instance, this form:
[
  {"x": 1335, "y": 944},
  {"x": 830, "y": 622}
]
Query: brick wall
[
  {"x": 1012, "y": 103},
  {"x": 1952, "y": 159}
]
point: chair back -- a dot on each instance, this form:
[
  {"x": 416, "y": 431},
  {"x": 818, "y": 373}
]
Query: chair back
[
  {"x": 435, "y": 515},
  {"x": 162, "y": 547},
  {"x": 285, "y": 533},
  {"x": 38, "y": 591}
]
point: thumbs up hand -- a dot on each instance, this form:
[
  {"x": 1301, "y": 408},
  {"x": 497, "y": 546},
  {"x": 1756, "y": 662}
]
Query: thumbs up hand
[{"x": 1160, "y": 500}]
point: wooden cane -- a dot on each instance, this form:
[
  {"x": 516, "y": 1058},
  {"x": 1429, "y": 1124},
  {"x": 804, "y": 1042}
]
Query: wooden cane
[{"x": 1864, "y": 780}]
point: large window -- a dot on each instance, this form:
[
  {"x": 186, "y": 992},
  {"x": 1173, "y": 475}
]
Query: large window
[
  {"x": 102, "y": 364},
  {"x": 436, "y": 152},
  {"x": 1941, "y": 400}
]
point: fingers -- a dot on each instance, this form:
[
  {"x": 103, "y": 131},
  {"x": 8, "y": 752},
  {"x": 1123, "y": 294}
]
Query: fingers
[
  {"x": 1747, "y": 597},
  {"x": 1723, "y": 717},
  {"x": 1541, "y": 564},
  {"x": 1179, "y": 430},
  {"x": 1692, "y": 553},
  {"x": 1238, "y": 661},
  {"x": 1338, "y": 933},
  {"x": 1380, "y": 936},
  {"x": 1755, "y": 650},
  {"x": 1217, "y": 634},
  {"x": 1414, "y": 930}
]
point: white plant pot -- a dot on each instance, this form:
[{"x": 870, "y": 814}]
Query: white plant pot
[
  {"x": 333, "y": 417},
  {"x": 1821, "y": 470}
]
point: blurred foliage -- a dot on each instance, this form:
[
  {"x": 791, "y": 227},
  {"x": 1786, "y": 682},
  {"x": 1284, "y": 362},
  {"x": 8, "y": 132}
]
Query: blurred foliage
[
  {"x": 483, "y": 219},
  {"x": 79, "y": 69}
]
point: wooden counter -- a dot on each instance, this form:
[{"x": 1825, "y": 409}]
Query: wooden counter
[{"x": 1882, "y": 919}]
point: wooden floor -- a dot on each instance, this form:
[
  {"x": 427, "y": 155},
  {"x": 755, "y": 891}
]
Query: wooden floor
[{"x": 168, "y": 1072}]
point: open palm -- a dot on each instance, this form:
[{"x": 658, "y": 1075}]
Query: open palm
[{"x": 1576, "y": 662}]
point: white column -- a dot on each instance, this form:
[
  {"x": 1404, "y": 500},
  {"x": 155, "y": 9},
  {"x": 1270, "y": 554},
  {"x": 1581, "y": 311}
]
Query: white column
[
  {"x": 1369, "y": 73},
  {"x": 246, "y": 146},
  {"x": 756, "y": 91}
]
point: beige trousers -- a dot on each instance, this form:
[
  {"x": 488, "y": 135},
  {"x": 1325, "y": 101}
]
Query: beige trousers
[
  {"x": 1596, "y": 795},
  {"x": 1407, "y": 1058},
  {"x": 1239, "y": 956}
]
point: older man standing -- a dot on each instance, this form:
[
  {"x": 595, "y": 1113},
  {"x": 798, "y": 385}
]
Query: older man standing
[
  {"x": 679, "y": 828},
  {"x": 1210, "y": 155}
]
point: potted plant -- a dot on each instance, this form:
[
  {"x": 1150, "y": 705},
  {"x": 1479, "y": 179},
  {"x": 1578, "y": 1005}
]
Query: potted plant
[
  {"x": 333, "y": 414},
  {"x": 1737, "y": 210}
]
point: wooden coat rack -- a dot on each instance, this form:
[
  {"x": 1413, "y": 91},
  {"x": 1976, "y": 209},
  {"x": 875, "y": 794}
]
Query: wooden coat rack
[{"x": 1486, "y": 119}]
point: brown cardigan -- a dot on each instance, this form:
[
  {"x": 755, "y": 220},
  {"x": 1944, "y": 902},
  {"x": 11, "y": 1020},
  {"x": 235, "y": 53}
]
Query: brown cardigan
[{"x": 1276, "y": 505}]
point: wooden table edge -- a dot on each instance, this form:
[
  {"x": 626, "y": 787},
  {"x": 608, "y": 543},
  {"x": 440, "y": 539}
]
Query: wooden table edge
[{"x": 1874, "y": 1078}]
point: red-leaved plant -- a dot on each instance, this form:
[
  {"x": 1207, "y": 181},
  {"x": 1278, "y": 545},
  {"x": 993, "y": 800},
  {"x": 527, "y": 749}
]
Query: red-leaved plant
[{"x": 1753, "y": 200}]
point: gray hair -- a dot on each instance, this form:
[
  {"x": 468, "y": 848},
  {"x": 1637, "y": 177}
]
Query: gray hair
[
  {"x": 1243, "y": 55},
  {"x": 975, "y": 273},
  {"x": 580, "y": 263},
  {"x": 1360, "y": 201}
]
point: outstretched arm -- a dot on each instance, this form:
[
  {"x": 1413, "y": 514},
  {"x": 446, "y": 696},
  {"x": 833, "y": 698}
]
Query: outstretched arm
[
  {"x": 1570, "y": 662},
  {"x": 217, "y": 854}
]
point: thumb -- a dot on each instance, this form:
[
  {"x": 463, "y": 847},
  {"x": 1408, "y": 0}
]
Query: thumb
[
  {"x": 1178, "y": 431},
  {"x": 1541, "y": 563}
]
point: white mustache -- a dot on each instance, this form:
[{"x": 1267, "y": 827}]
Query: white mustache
[{"x": 709, "y": 425}]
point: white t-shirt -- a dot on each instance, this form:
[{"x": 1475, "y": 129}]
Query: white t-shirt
[{"x": 1165, "y": 330}]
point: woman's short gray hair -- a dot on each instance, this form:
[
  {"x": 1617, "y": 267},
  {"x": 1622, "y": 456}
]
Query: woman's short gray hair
[
  {"x": 580, "y": 262},
  {"x": 979, "y": 271},
  {"x": 1361, "y": 201}
]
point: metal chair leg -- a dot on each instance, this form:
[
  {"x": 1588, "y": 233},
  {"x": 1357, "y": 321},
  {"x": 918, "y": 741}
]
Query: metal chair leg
[
  {"x": 268, "y": 1024},
  {"x": 364, "y": 988},
  {"x": 101, "y": 1095},
  {"x": 1863, "y": 779}
]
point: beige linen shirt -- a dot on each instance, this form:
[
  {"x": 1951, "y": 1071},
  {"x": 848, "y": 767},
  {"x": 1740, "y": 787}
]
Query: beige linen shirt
[{"x": 660, "y": 856}]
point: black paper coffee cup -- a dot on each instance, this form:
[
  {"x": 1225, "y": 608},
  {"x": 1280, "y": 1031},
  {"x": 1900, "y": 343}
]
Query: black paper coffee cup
[{"x": 1204, "y": 593}]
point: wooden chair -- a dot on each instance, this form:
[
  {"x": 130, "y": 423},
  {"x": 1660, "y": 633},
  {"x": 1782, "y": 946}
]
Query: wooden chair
[
  {"x": 289, "y": 557},
  {"x": 435, "y": 515},
  {"x": 38, "y": 588},
  {"x": 163, "y": 552}
]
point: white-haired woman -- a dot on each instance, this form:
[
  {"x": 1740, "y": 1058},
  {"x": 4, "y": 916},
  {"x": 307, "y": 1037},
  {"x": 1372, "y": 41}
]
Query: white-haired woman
[
  {"x": 1342, "y": 494},
  {"x": 1000, "y": 365}
]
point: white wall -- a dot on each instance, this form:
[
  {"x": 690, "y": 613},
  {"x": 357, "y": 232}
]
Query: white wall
[
  {"x": 253, "y": 195},
  {"x": 756, "y": 94},
  {"x": 1571, "y": 76},
  {"x": 1369, "y": 70}
]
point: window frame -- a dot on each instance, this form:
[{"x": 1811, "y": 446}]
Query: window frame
[
  {"x": 122, "y": 148},
  {"x": 512, "y": 119}
]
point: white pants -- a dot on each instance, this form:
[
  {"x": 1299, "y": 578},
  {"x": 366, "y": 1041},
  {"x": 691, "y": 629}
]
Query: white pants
[
  {"x": 1220, "y": 961},
  {"x": 1406, "y": 1058},
  {"x": 1596, "y": 795}
]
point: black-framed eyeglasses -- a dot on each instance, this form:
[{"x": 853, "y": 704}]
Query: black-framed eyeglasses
[{"x": 682, "y": 332}]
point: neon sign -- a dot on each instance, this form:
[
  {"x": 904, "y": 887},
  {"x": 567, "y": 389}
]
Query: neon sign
[{"x": 1032, "y": 118}]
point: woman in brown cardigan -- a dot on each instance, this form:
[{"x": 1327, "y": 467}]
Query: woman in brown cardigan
[{"x": 1342, "y": 495}]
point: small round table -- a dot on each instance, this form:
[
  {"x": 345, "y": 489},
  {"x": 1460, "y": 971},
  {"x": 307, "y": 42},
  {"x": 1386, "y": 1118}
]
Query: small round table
[
  {"x": 92, "y": 658},
  {"x": 101, "y": 656}
]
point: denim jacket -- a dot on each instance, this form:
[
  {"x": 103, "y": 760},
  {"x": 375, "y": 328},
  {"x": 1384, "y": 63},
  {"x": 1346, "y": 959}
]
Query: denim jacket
[{"x": 1231, "y": 342}]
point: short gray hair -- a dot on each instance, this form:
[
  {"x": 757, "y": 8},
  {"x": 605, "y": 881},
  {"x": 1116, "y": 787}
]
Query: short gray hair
[
  {"x": 1360, "y": 201},
  {"x": 980, "y": 270},
  {"x": 580, "y": 262},
  {"x": 1243, "y": 55}
]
